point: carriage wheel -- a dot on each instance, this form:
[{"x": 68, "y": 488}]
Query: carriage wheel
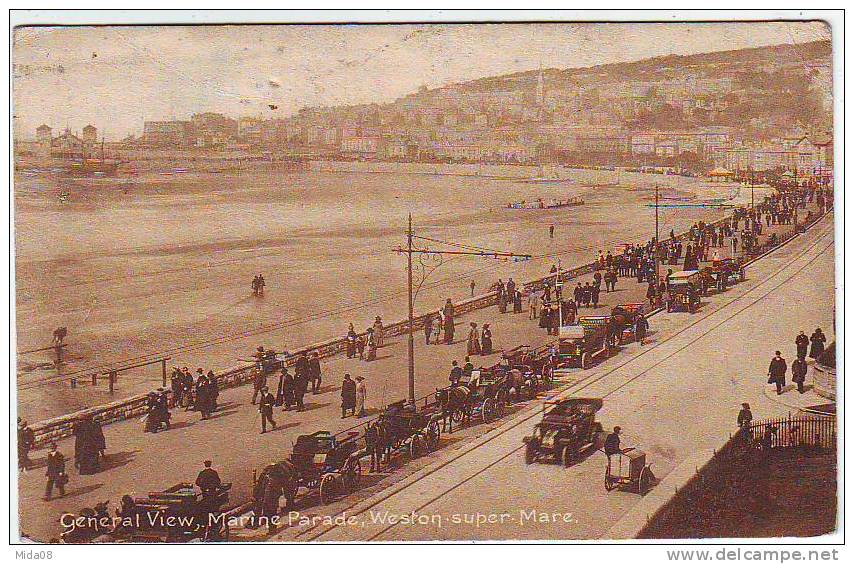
[
  {"x": 433, "y": 435},
  {"x": 530, "y": 453},
  {"x": 644, "y": 480},
  {"x": 328, "y": 488},
  {"x": 487, "y": 410},
  {"x": 568, "y": 456},
  {"x": 352, "y": 475}
]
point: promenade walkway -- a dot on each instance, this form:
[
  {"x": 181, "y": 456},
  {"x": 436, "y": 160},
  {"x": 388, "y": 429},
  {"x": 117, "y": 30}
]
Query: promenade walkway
[{"x": 137, "y": 462}]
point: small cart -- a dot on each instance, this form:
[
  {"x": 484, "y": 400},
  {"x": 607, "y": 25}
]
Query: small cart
[{"x": 629, "y": 468}]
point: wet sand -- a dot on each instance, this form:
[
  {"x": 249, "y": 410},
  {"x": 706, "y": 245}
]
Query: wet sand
[{"x": 163, "y": 264}]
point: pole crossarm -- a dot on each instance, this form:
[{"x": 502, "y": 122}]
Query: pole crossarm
[
  {"x": 722, "y": 206},
  {"x": 488, "y": 254}
]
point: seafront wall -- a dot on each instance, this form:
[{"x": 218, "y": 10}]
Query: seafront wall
[{"x": 62, "y": 426}]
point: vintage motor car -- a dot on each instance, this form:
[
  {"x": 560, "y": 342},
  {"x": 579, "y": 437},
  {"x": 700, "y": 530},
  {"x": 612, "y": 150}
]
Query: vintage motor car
[
  {"x": 683, "y": 287},
  {"x": 567, "y": 430}
]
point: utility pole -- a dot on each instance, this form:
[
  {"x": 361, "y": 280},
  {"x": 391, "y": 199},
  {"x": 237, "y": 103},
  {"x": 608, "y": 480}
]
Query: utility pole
[
  {"x": 412, "y": 291},
  {"x": 411, "y": 340},
  {"x": 655, "y": 247}
]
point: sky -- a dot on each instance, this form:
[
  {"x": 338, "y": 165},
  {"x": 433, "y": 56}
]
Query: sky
[{"x": 117, "y": 77}]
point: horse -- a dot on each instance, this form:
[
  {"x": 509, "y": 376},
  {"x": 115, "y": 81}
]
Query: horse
[
  {"x": 621, "y": 319},
  {"x": 453, "y": 400},
  {"x": 276, "y": 480}
]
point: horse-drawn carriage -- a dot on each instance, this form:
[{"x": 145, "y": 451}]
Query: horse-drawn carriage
[
  {"x": 623, "y": 318},
  {"x": 178, "y": 513},
  {"x": 578, "y": 344},
  {"x": 319, "y": 462},
  {"x": 404, "y": 427},
  {"x": 530, "y": 363},
  {"x": 723, "y": 273},
  {"x": 568, "y": 428},
  {"x": 684, "y": 288},
  {"x": 489, "y": 391}
]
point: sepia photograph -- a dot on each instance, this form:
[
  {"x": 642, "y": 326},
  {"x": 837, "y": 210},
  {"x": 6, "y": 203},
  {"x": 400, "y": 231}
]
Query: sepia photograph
[{"x": 396, "y": 277}]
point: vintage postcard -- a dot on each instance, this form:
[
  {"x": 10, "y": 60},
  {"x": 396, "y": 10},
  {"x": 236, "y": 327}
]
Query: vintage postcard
[{"x": 425, "y": 281}]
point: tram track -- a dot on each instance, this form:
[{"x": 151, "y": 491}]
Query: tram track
[{"x": 315, "y": 532}]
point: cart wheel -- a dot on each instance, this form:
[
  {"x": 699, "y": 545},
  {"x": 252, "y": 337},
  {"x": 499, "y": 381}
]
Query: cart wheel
[
  {"x": 530, "y": 453},
  {"x": 433, "y": 435},
  {"x": 568, "y": 456},
  {"x": 353, "y": 475},
  {"x": 585, "y": 361},
  {"x": 328, "y": 488},
  {"x": 487, "y": 410},
  {"x": 644, "y": 480}
]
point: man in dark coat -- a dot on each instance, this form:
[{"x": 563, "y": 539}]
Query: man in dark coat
[
  {"x": 259, "y": 380},
  {"x": 26, "y": 440},
  {"x": 777, "y": 372},
  {"x": 802, "y": 342},
  {"x": 745, "y": 416},
  {"x": 449, "y": 322},
  {"x": 285, "y": 390},
  {"x": 799, "y": 372},
  {"x": 348, "y": 396},
  {"x": 456, "y": 374},
  {"x": 208, "y": 479},
  {"x": 56, "y": 475},
  {"x": 817, "y": 339},
  {"x": 265, "y": 407},
  {"x": 177, "y": 383},
  {"x": 314, "y": 373},
  {"x": 89, "y": 445}
]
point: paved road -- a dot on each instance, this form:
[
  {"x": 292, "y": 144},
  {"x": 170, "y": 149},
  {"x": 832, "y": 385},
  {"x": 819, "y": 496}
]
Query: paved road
[
  {"x": 672, "y": 399},
  {"x": 138, "y": 462}
]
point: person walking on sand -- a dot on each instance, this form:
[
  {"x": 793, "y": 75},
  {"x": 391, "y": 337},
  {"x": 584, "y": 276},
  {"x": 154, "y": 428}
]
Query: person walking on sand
[{"x": 361, "y": 396}]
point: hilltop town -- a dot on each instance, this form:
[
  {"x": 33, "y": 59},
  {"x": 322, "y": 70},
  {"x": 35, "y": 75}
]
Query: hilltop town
[{"x": 692, "y": 113}]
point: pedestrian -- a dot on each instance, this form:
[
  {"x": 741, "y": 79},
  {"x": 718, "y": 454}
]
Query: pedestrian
[
  {"x": 777, "y": 372},
  {"x": 265, "y": 407},
  {"x": 594, "y": 296},
  {"x": 26, "y": 440},
  {"x": 348, "y": 396},
  {"x": 56, "y": 475},
  {"x": 255, "y": 286},
  {"x": 817, "y": 339},
  {"x": 587, "y": 294},
  {"x": 89, "y": 445},
  {"x": 372, "y": 445},
  {"x": 315, "y": 373},
  {"x": 551, "y": 231},
  {"x": 361, "y": 396},
  {"x": 261, "y": 284},
  {"x": 378, "y": 331},
  {"x": 285, "y": 390},
  {"x": 486, "y": 340},
  {"x": 472, "y": 285},
  {"x": 517, "y": 302},
  {"x": 259, "y": 381},
  {"x": 437, "y": 328},
  {"x": 473, "y": 346},
  {"x": 350, "y": 342},
  {"x": 745, "y": 416},
  {"x": 372, "y": 345},
  {"x": 212, "y": 393},
  {"x": 799, "y": 373},
  {"x": 177, "y": 386},
  {"x": 533, "y": 304},
  {"x": 428, "y": 327},
  {"x": 802, "y": 343},
  {"x": 448, "y": 312}
]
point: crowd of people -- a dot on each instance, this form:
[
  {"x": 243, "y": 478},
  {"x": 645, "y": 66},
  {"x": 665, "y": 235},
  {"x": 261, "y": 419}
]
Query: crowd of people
[{"x": 193, "y": 394}]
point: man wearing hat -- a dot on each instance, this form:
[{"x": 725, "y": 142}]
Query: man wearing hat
[
  {"x": 777, "y": 372},
  {"x": 612, "y": 443},
  {"x": 265, "y": 407},
  {"x": 26, "y": 439},
  {"x": 208, "y": 479},
  {"x": 361, "y": 395},
  {"x": 348, "y": 396}
]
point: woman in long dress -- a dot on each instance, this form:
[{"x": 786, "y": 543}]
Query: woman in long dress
[
  {"x": 817, "y": 347},
  {"x": 474, "y": 340},
  {"x": 486, "y": 340}
]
